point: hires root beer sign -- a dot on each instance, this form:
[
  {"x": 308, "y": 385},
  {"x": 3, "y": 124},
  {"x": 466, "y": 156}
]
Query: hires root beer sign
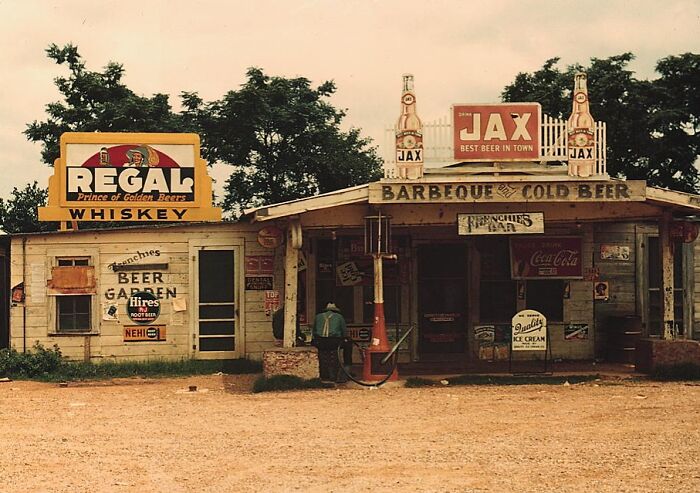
[
  {"x": 546, "y": 257},
  {"x": 129, "y": 177},
  {"x": 496, "y": 132}
]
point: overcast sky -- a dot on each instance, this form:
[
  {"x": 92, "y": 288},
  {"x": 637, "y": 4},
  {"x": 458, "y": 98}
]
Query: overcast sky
[{"x": 460, "y": 51}]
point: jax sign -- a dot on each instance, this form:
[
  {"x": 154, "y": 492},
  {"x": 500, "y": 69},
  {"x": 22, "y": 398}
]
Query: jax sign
[{"x": 129, "y": 177}]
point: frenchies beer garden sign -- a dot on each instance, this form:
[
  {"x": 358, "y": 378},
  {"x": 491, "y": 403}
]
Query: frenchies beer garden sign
[{"x": 129, "y": 177}]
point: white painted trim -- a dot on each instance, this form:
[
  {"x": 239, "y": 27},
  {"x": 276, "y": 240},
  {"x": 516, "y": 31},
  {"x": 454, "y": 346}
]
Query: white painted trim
[{"x": 238, "y": 247}]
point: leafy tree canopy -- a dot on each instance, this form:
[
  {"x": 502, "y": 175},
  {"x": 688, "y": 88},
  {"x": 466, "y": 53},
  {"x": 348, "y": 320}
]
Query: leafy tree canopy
[
  {"x": 18, "y": 214},
  {"x": 98, "y": 102},
  {"x": 281, "y": 136},
  {"x": 652, "y": 126},
  {"x": 283, "y": 139}
]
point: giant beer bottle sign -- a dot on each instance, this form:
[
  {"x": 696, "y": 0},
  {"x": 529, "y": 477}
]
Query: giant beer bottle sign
[
  {"x": 581, "y": 131},
  {"x": 129, "y": 177},
  {"x": 409, "y": 135}
]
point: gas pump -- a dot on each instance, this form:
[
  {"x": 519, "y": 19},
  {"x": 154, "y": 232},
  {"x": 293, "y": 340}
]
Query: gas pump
[{"x": 378, "y": 244}]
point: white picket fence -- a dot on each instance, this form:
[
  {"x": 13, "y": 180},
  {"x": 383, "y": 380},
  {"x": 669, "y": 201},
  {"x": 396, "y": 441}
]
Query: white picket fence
[{"x": 439, "y": 147}]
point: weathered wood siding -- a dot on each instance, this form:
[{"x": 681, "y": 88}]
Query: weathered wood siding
[
  {"x": 620, "y": 274},
  {"x": 35, "y": 320}
]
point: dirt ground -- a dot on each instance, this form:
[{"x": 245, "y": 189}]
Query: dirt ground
[{"x": 154, "y": 435}]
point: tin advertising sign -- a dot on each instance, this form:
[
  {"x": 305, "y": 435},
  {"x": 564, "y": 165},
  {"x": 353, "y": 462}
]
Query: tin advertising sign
[
  {"x": 496, "y": 132},
  {"x": 546, "y": 257},
  {"x": 529, "y": 331},
  {"x": 129, "y": 177},
  {"x": 500, "y": 224}
]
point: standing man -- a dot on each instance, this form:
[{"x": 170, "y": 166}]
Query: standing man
[{"x": 330, "y": 331}]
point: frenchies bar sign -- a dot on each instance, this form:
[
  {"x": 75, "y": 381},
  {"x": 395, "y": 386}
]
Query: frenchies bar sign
[
  {"x": 496, "y": 132},
  {"x": 500, "y": 224},
  {"x": 546, "y": 257},
  {"x": 129, "y": 177}
]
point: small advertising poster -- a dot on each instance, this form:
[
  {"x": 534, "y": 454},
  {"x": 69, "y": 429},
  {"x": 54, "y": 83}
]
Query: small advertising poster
[
  {"x": 601, "y": 290},
  {"x": 529, "y": 331},
  {"x": 258, "y": 283},
  {"x": 259, "y": 264},
  {"x": 270, "y": 237},
  {"x": 272, "y": 301},
  {"x": 576, "y": 332},
  {"x": 485, "y": 334},
  {"x": 139, "y": 333},
  {"x": 109, "y": 311},
  {"x": 553, "y": 257},
  {"x": 360, "y": 334},
  {"x": 143, "y": 308},
  {"x": 614, "y": 252},
  {"x": 348, "y": 274}
]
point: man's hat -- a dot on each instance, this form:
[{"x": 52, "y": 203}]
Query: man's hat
[{"x": 331, "y": 306}]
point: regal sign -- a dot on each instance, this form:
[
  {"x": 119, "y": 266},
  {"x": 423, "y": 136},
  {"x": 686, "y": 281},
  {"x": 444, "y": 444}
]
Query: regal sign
[
  {"x": 556, "y": 257},
  {"x": 496, "y": 132},
  {"x": 129, "y": 177}
]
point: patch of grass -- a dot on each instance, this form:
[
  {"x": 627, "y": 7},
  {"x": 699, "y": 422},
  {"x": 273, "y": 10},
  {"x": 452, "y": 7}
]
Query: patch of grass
[
  {"x": 288, "y": 382},
  {"x": 679, "y": 372},
  {"x": 502, "y": 380},
  {"x": 49, "y": 365}
]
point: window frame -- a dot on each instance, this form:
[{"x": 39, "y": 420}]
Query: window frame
[
  {"x": 685, "y": 290},
  {"x": 70, "y": 259}
]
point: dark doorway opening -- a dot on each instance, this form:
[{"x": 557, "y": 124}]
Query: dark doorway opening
[{"x": 442, "y": 301}]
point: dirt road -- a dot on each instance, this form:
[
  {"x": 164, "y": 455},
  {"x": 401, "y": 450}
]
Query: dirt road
[{"x": 154, "y": 435}]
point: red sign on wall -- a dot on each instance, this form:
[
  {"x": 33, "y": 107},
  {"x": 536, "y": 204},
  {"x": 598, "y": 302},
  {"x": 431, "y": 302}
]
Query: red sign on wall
[
  {"x": 546, "y": 257},
  {"x": 496, "y": 132}
]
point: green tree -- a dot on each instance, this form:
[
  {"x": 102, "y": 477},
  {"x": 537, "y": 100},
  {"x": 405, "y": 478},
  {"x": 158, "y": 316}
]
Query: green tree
[
  {"x": 281, "y": 136},
  {"x": 98, "y": 102},
  {"x": 18, "y": 214},
  {"x": 652, "y": 126},
  {"x": 283, "y": 139}
]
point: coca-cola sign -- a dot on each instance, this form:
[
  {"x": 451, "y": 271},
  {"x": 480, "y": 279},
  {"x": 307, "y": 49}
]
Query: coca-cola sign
[{"x": 546, "y": 257}]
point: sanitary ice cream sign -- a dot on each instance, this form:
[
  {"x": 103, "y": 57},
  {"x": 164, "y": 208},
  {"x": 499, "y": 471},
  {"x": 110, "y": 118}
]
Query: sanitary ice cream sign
[
  {"x": 529, "y": 331},
  {"x": 129, "y": 177}
]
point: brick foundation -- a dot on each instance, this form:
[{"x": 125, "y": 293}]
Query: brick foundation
[
  {"x": 652, "y": 353},
  {"x": 301, "y": 362}
]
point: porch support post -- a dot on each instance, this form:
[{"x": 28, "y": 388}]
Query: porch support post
[
  {"x": 666, "y": 254},
  {"x": 291, "y": 269}
]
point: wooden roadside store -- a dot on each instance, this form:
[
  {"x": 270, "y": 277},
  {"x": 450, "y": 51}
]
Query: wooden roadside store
[{"x": 505, "y": 210}]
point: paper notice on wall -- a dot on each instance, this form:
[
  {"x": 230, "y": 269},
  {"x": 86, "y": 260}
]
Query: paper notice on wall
[
  {"x": 37, "y": 285},
  {"x": 109, "y": 311},
  {"x": 348, "y": 274},
  {"x": 179, "y": 304}
]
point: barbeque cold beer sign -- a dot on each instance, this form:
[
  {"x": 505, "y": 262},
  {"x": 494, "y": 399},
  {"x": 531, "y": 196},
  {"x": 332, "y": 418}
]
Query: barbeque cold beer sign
[{"x": 129, "y": 177}]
